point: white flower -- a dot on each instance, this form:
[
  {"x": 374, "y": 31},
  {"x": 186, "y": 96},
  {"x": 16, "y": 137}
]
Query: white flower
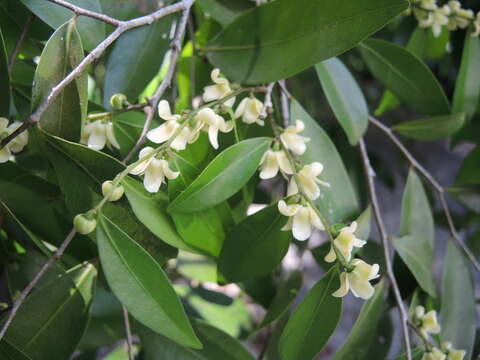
[
  {"x": 345, "y": 242},
  {"x": 99, "y": 133},
  {"x": 273, "y": 161},
  {"x": 358, "y": 280},
  {"x": 250, "y": 109},
  {"x": 308, "y": 181},
  {"x": 302, "y": 219},
  {"x": 435, "y": 354},
  {"x": 212, "y": 123},
  {"x": 292, "y": 141},
  {"x": 14, "y": 146},
  {"x": 460, "y": 17},
  {"x": 452, "y": 354},
  {"x": 155, "y": 171},
  {"x": 219, "y": 90},
  {"x": 428, "y": 4},
  {"x": 476, "y": 26},
  {"x": 440, "y": 18},
  {"x": 429, "y": 323}
]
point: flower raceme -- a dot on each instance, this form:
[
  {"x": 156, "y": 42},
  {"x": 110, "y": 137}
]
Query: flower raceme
[
  {"x": 14, "y": 146},
  {"x": 292, "y": 140},
  {"x": 308, "y": 180},
  {"x": 344, "y": 243},
  {"x": 358, "y": 280},
  {"x": 154, "y": 170},
  {"x": 272, "y": 162},
  {"x": 98, "y": 134},
  {"x": 302, "y": 218},
  {"x": 250, "y": 110},
  {"x": 428, "y": 321},
  {"x": 219, "y": 90}
]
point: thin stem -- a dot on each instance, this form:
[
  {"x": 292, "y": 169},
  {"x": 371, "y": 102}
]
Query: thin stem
[
  {"x": 128, "y": 332},
  {"x": 385, "y": 244},
  {"x": 80, "y": 11},
  {"x": 284, "y": 101},
  {"x": 191, "y": 32},
  {"x": 19, "y": 43},
  {"x": 96, "y": 116},
  {"x": 438, "y": 188}
]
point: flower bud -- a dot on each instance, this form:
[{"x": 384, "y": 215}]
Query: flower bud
[
  {"x": 115, "y": 193},
  {"x": 118, "y": 101},
  {"x": 84, "y": 225}
]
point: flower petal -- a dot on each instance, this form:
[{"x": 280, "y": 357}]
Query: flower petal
[
  {"x": 344, "y": 286},
  {"x": 284, "y": 163},
  {"x": 98, "y": 138},
  {"x": 163, "y": 132},
  {"x": 302, "y": 228},
  {"x": 169, "y": 173},
  {"x": 5, "y": 154},
  {"x": 153, "y": 176},
  {"x": 288, "y": 210},
  {"x": 111, "y": 136},
  {"x": 331, "y": 256},
  {"x": 269, "y": 167},
  {"x": 213, "y": 136}
]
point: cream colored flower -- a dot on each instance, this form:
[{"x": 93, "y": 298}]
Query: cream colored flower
[
  {"x": 250, "y": 109},
  {"x": 98, "y": 134},
  {"x": 155, "y": 171},
  {"x": 345, "y": 242},
  {"x": 452, "y": 354},
  {"x": 429, "y": 323},
  {"x": 207, "y": 120},
  {"x": 476, "y": 26},
  {"x": 358, "y": 280},
  {"x": 435, "y": 354},
  {"x": 308, "y": 181},
  {"x": 219, "y": 90},
  {"x": 14, "y": 146},
  {"x": 459, "y": 18},
  {"x": 301, "y": 220},
  {"x": 440, "y": 18},
  {"x": 292, "y": 141},
  {"x": 273, "y": 161}
]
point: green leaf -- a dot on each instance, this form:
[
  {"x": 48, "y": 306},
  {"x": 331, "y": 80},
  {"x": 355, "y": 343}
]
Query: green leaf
[
  {"x": 55, "y": 316},
  {"x": 431, "y": 129},
  {"x": 223, "y": 177},
  {"x": 314, "y": 320},
  {"x": 415, "y": 246},
  {"x": 458, "y": 311},
  {"x": 468, "y": 196},
  {"x": 9, "y": 352},
  {"x": 92, "y": 31},
  {"x": 362, "y": 335},
  {"x": 252, "y": 48},
  {"x": 197, "y": 267},
  {"x": 286, "y": 293},
  {"x": 406, "y": 76},
  {"x": 4, "y": 80},
  {"x": 255, "y": 246},
  {"x": 469, "y": 172},
  {"x": 345, "y": 98},
  {"x": 339, "y": 201},
  {"x": 136, "y": 56},
  {"x": 141, "y": 285},
  {"x": 65, "y": 115},
  {"x": 224, "y": 11}
]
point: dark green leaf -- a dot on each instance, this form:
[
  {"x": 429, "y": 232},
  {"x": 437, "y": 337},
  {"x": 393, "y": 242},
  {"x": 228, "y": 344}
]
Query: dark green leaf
[
  {"x": 225, "y": 11},
  {"x": 9, "y": 352},
  {"x": 255, "y": 246},
  {"x": 252, "y": 48},
  {"x": 469, "y": 172},
  {"x": 345, "y": 98},
  {"x": 4, "y": 80},
  {"x": 339, "y": 201},
  {"x": 406, "y": 76},
  {"x": 430, "y": 129},
  {"x": 141, "y": 285},
  {"x": 64, "y": 117},
  {"x": 223, "y": 177},
  {"x": 314, "y": 320},
  {"x": 468, "y": 196},
  {"x": 458, "y": 302}
]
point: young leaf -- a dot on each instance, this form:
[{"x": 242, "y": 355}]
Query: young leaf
[
  {"x": 415, "y": 246},
  {"x": 223, "y": 177},
  {"x": 469, "y": 172},
  {"x": 431, "y": 129},
  {"x": 141, "y": 285},
  {"x": 458, "y": 311},
  {"x": 345, "y": 98},
  {"x": 339, "y": 201},
  {"x": 406, "y": 76},
  {"x": 64, "y": 117},
  {"x": 252, "y": 48},
  {"x": 64, "y": 306},
  {"x": 4, "y": 80},
  {"x": 255, "y": 246},
  {"x": 313, "y": 322},
  {"x": 361, "y": 336}
]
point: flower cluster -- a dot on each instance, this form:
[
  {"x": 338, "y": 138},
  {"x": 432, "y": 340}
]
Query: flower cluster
[
  {"x": 98, "y": 134},
  {"x": 14, "y": 146},
  {"x": 451, "y": 15}
]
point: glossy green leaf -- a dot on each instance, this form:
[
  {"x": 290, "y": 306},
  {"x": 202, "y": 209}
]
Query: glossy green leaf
[
  {"x": 55, "y": 316},
  {"x": 141, "y": 285},
  {"x": 415, "y": 246},
  {"x": 197, "y": 267},
  {"x": 406, "y": 76},
  {"x": 458, "y": 311},
  {"x": 223, "y": 177},
  {"x": 314, "y": 320},
  {"x": 136, "y": 56},
  {"x": 286, "y": 293},
  {"x": 469, "y": 172},
  {"x": 431, "y": 129},
  {"x": 92, "y": 31},
  {"x": 252, "y": 48},
  {"x": 4, "y": 80},
  {"x": 339, "y": 201},
  {"x": 9, "y": 352},
  {"x": 225, "y": 11},
  {"x": 345, "y": 98},
  {"x": 255, "y": 246},
  {"x": 362, "y": 335},
  {"x": 64, "y": 117}
]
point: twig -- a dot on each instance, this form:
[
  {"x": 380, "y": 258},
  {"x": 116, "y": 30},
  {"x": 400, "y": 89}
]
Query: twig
[
  {"x": 191, "y": 33},
  {"x": 19, "y": 43},
  {"x": 80, "y": 11},
  {"x": 284, "y": 100},
  {"x": 167, "y": 80},
  {"x": 90, "y": 58},
  {"x": 385, "y": 244},
  {"x": 23, "y": 295},
  {"x": 128, "y": 332},
  {"x": 267, "y": 104},
  {"x": 438, "y": 188}
]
